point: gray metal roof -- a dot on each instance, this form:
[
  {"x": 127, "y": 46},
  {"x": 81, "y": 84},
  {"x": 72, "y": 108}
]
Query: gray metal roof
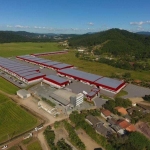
[
  {"x": 34, "y": 59},
  {"x": 18, "y": 69},
  {"x": 80, "y": 74},
  {"x": 91, "y": 93},
  {"x": 56, "y": 78},
  {"x": 27, "y": 73},
  {"x": 29, "y": 77},
  {"x": 94, "y": 120},
  {"x": 59, "y": 99},
  {"x": 49, "y": 52},
  {"x": 61, "y": 66},
  {"x": 114, "y": 83},
  {"x": 43, "y": 61},
  {"x": 51, "y": 63},
  {"x": 23, "y": 92},
  {"x": 27, "y": 70}
]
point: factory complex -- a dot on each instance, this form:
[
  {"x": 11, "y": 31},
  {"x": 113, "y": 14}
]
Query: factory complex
[
  {"x": 22, "y": 72},
  {"x": 68, "y": 71},
  {"x": 68, "y": 86}
]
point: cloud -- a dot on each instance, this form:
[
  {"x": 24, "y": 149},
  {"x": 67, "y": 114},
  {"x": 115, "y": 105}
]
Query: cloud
[
  {"x": 90, "y": 23},
  {"x": 8, "y": 26},
  {"x": 22, "y": 27},
  {"x": 140, "y": 23}
]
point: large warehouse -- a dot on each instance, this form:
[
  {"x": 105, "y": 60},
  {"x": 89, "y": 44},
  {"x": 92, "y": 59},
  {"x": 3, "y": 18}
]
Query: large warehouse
[
  {"x": 56, "y": 81},
  {"x": 50, "y": 53},
  {"x": 109, "y": 84},
  {"x": 84, "y": 77},
  {"x": 22, "y": 72},
  {"x": 44, "y": 63}
]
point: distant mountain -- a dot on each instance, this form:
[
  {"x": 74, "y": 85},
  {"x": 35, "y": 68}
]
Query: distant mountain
[
  {"x": 9, "y": 36},
  {"x": 23, "y": 36},
  {"x": 144, "y": 33},
  {"x": 115, "y": 42}
]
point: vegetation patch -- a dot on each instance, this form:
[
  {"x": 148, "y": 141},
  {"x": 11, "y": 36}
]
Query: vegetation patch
[
  {"x": 27, "y": 141},
  {"x": 50, "y": 137},
  {"x": 34, "y": 146},
  {"x": 13, "y": 119},
  {"x": 95, "y": 67},
  {"x": 7, "y": 86},
  {"x": 111, "y": 104},
  {"x": 146, "y": 98},
  {"x": 15, "y": 49},
  {"x": 121, "y": 93},
  {"x": 75, "y": 140}
]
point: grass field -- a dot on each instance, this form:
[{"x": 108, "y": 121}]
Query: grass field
[
  {"x": 34, "y": 146},
  {"x": 14, "y": 49},
  {"x": 13, "y": 119},
  {"x": 95, "y": 67},
  {"x": 7, "y": 86}
]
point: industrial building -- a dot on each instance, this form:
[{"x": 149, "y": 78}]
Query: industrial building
[
  {"x": 105, "y": 83},
  {"x": 77, "y": 100},
  {"x": 50, "y": 53},
  {"x": 66, "y": 98},
  {"x": 23, "y": 94},
  {"x": 20, "y": 71},
  {"x": 81, "y": 76},
  {"x": 109, "y": 84},
  {"x": 56, "y": 81},
  {"x": 44, "y": 63},
  {"x": 93, "y": 93}
]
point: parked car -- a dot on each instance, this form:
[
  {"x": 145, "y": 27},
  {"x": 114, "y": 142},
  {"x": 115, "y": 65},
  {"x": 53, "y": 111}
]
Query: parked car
[
  {"x": 39, "y": 127},
  {"x": 4, "y": 147}
]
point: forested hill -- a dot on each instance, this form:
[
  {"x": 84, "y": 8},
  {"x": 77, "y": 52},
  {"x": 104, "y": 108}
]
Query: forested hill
[
  {"x": 23, "y": 36},
  {"x": 8, "y": 36},
  {"x": 116, "y": 41}
]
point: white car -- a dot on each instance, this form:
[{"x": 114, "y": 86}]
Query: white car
[{"x": 4, "y": 147}]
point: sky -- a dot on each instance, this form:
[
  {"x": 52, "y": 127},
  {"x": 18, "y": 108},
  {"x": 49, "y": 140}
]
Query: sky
[{"x": 74, "y": 16}]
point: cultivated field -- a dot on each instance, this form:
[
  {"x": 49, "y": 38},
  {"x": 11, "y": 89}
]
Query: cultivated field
[
  {"x": 95, "y": 67},
  {"x": 13, "y": 119},
  {"x": 7, "y": 86},
  {"x": 14, "y": 49}
]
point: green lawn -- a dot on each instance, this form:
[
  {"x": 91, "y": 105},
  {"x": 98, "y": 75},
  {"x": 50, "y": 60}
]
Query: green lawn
[
  {"x": 14, "y": 49},
  {"x": 121, "y": 93},
  {"x": 34, "y": 146},
  {"x": 95, "y": 67},
  {"x": 13, "y": 119},
  {"x": 7, "y": 86}
]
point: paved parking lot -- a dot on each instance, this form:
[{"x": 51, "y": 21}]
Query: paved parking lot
[
  {"x": 99, "y": 102},
  {"x": 136, "y": 91},
  {"x": 13, "y": 80},
  {"x": 78, "y": 87}
]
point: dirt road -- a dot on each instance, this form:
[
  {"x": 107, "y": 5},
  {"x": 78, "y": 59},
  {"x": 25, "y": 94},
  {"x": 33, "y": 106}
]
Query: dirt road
[{"x": 89, "y": 143}]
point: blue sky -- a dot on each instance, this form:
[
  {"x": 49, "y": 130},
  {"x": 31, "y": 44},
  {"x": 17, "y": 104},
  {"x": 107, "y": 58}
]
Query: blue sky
[{"x": 74, "y": 16}]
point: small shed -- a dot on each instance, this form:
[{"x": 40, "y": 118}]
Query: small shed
[{"x": 23, "y": 93}]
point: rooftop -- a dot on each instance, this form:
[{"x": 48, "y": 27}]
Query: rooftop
[
  {"x": 114, "y": 83},
  {"x": 56, "y": 78},
  {"x": 106, "y": 112},
  {"x": 61, "y": 66},
  {"x": 121, "y": 110},
  {"x": 80, "y": 74},
  {"x": 23, "y": 92},
  {"x": 131, "y": 128},
  {"x": 93, "y": 120},
  {"x": 100, "y": 128},
  {"x": 123, "y": 124}
]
